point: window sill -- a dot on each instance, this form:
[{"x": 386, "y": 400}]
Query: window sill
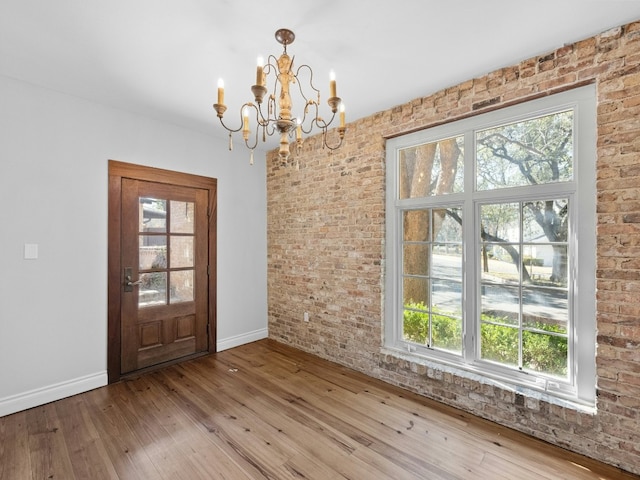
[{"x": 438, "y": 368}]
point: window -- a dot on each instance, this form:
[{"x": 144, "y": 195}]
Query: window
[{"x": 491, "y": 245}]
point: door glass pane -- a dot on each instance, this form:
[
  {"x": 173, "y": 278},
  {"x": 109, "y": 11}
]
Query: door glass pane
[
  {"x": 153, "y": 215},
  {"x": 182, "y": 217},
  {"x": 181, "y": 286},
  {"x": 181, "y": 252},
  {"x": 432, "y": 169},
  {"x": 153, "y": 289},
  {"x": 533, "y": 152},
  {"x": 153, "y": 252}
]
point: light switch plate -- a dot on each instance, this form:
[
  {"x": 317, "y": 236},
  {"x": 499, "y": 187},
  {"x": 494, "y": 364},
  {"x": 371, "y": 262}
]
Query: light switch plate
[{"x": 30, "y": 251}]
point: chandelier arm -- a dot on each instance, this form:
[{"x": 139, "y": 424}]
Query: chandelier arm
[
  {"x": 313, "y": 104},
  {"x": 271, "y": 64},
  {"x": 255, "y": 140},
  {"x": 341, "y": 131},
  {"x": 273, "y": 105},
  {"x": 261, "y": 124},
  {"x": 260, "y": 117},
  {"x": 310, "y": 82},
  {"x": 321, "y": 123},
  {"x": 242, "y": 107},
  {"x": 271, "y": 127},
  {"x": 231, "y": 130},
  {"x": 267, "y": 123}
]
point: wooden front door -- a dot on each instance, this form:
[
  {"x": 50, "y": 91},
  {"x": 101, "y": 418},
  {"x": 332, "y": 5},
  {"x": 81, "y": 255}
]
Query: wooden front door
[
  {"x": 164, "y": 257},
  {"x": 164, "y": 281}
]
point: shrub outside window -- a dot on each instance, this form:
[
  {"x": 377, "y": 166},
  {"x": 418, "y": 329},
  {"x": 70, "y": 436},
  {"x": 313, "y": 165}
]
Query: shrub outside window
[{"x": 491, "y": 244}]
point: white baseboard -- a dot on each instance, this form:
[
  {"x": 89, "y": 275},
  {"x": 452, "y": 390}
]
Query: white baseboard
[
  {"x": 40, "y": 396},
  {"x": 238, "y": 340}
]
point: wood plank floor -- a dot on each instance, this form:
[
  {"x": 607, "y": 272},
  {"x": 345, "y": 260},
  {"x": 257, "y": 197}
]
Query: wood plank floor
[{"x": 266, "y": 411}]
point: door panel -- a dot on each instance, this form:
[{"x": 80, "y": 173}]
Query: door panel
[{"x": 164, "y": 257}]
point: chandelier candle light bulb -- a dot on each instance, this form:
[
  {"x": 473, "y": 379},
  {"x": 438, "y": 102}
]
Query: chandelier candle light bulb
[
  {"x": 220, "y": 91},
  {"x": 245, "y": 122},
  {"x": 332, "y": 84},
  {"x": 341, "y": 115},
  {"x": 260, "y": 72}
]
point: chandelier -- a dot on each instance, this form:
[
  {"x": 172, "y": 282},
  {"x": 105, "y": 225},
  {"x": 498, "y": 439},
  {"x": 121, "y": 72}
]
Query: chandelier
[{"x": 277, "y": 115}]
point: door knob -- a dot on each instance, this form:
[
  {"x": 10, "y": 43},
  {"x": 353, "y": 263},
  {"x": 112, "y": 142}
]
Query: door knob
[{"x": 128, "y": 280}]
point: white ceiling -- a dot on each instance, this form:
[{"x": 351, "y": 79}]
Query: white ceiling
[{"x": 162, "y": 58}]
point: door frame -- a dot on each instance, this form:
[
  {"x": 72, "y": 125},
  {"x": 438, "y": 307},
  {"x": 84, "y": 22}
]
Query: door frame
[{"x": 117, "y": 171}]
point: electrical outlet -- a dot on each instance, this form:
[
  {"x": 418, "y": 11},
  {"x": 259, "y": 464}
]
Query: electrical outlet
[{"x": 306, "y": 316}]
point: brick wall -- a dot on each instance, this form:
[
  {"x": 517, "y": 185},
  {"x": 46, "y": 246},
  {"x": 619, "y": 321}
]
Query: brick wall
[{"x": 326, "y": 243}]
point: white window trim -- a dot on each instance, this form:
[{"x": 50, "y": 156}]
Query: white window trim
[{"x": 581, "y": 393}]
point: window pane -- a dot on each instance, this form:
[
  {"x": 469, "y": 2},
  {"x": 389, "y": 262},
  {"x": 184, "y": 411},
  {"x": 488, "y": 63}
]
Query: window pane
[
  {"x": 546, "y": 265},
  {"x": 416, "y": 225},
  {"x": 432, "y": 169},
  {"x": 447, "y": 297},
  {"x": 153, "y": 289},
  {"x": 446, "y": 333},
  {"x": 153, "y": 215},
  {"x": 416, "y": 291},
  {"x": 447, "y": 225},
  {"x": 182, "y": 217},
  {"x": 500, "y": 304},
  {"x": 181, "y": 252},
  {"x": 181, "y": 286},
  {"x": 447, "y": 263},
  {"x": 545, "y": 309},
  {"x": 544, "y": 353},
  {"x": 500, "y": 263},
  {"x": 153, "y": 252},
  {"x": 532, "y": 152},
  {"x": 499, "y": 344},
  {"x": 432, "y": 286},
  {"x": 415, "y": 326},
  {"x": 416, "y": 259},
  {"x": 545, "y": 220},
  {"x": 528, "y": 290},
  {"x": 500, "y": 222}
]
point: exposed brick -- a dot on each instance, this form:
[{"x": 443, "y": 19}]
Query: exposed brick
[{"x": 326, "y": 246}]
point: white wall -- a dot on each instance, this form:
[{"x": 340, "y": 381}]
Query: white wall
[{"x": 54, "y": 150}]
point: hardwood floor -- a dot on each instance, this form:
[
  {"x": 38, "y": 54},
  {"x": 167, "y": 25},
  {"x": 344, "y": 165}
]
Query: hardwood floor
[{"x": 266, "y": 411}]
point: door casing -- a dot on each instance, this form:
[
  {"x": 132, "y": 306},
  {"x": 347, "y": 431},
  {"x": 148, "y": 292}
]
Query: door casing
[{"x": 117, "y": 171}]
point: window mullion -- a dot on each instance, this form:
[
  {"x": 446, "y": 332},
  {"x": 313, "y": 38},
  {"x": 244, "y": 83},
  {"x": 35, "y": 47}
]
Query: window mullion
[
  {"x": 470, "y": 233},
  {"x": 521, "y": 291}
]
